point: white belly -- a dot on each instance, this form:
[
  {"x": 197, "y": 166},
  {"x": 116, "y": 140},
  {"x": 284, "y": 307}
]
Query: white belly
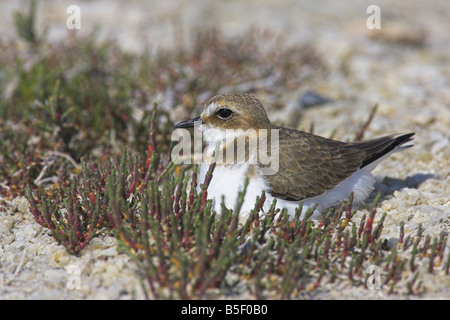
[
  {"x": 226, "y": 184},
  {"x": 228, "y": 181}
]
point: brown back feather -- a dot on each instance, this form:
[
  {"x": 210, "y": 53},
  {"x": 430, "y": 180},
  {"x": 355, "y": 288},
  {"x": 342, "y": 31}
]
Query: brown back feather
[{"x": 309, "y": 165}]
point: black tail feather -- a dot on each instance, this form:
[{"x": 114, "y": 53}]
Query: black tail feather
[{"x": 394, "y": 143}]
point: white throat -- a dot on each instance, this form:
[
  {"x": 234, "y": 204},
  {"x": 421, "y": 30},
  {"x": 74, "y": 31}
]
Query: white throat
[{"x": 212, "y": 135}]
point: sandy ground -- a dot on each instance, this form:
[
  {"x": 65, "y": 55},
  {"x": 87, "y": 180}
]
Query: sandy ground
[{"x": 403, "y": 67}]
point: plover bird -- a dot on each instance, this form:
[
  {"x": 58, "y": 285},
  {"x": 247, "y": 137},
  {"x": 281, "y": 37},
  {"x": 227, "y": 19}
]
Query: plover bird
[{"x": 305, "y": 167}]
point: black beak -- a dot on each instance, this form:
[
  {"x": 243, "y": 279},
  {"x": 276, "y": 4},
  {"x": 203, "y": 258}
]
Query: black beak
[{"x": 188, "y": 123}]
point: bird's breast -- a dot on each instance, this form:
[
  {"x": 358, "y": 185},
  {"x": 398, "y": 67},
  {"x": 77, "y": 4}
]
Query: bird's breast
[{"x": 228, "y": 181}]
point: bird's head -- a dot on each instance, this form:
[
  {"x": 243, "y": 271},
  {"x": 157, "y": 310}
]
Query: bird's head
[{"x": 233, "y": 111}]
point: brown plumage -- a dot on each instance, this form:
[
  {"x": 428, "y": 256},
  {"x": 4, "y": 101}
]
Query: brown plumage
[{"x": 310, "y": 165}]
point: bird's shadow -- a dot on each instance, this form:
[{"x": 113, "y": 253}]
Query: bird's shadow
[{"x": 387, "y": 185}]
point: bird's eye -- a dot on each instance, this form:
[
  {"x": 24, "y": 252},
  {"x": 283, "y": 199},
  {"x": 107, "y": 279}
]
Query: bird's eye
[{"x": 224, "y": 113}]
